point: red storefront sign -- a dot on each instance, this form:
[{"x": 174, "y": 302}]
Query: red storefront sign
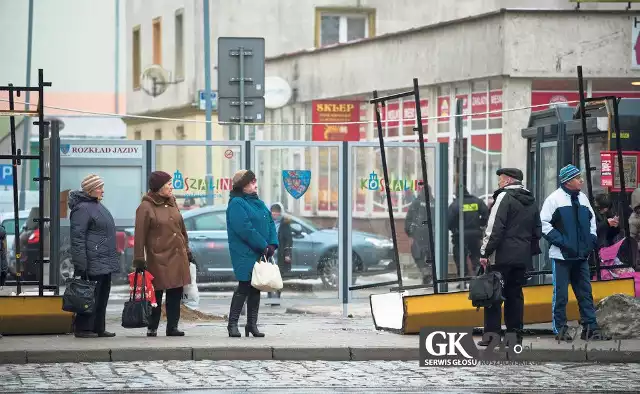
[
  {"x": 407, "y": 111},
  {"x": 606, "y": 169},
  {"x": 495, "y": 104},
  {"x": 335, "y": 111},
  {"x": 444, "y": 109}
]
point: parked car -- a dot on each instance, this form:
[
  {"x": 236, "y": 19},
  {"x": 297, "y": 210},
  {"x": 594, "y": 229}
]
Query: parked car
[
  {"x": 8, "y": 222},
  {"x": 315, "y": 251},
  {"x": 30, "y": 238}
]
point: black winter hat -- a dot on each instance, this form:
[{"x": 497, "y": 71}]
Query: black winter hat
[
  {"x": 511, "y": 172},
  {"x": 157, "y": 179}
]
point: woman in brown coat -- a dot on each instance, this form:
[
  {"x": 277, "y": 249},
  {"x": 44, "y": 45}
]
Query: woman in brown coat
[{"x": 162, "y": 247}]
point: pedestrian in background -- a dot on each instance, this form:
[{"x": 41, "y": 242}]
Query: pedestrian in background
[
  {"x": 511, "y": 238},
  {"x": 417, "y": 228},
  {"x": 607, "y": 222},
  {"x": 569, "y": 225},
  {"x": 475, "y": 216},
  {"x": 251, "y": 234},
  {"x": 93, "y": 251},
  {"x": 285, "y": 245},
  {"x": 161, "y": 246}
]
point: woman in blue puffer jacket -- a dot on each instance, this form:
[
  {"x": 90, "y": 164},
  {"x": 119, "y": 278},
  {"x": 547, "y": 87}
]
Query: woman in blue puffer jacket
[
  {"x": 93, "y": 251},
  {"x": 251, "y": 234}
]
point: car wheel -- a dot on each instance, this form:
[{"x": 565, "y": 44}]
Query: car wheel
[
  {"x": 66, "y": 268},
  {"x": 329, "y": 271}
]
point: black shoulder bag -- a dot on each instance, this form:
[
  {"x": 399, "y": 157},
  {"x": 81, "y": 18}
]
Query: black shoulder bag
[
  {"x": 485, "y": 290},
  {"x": 79, "y": 296},
  {"x": 136, "y": 312}
]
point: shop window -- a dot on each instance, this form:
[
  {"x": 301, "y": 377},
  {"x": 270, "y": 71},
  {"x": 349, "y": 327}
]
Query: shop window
[
  {"x": 444, "y": 108},
  {"x": 137, "y": 135},
  {"x": 479, "y": 105},
  {"x": 337, "y": 25}
]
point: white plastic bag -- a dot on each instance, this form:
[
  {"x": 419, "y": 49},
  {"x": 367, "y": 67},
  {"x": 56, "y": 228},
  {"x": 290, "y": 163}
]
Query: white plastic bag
[
  {"x": 266, "y": 275},
  {"x": 191, "y": 296}
]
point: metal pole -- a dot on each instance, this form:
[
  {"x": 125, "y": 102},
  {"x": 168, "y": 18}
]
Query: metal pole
[
  {"x": 207, "y": 93},
  {"x": 27, "y": 120},
  {"x": 385, "y": 171},
  {"x": 117, "y": 59},
  {"x": 41, "y": 180},
  {"x": 242, "y": 136},
  {"x": 459, "y": 147},
  {"x": 585, "y": 138},
  {"x": 425, "y": 182},
  {"x": 14, "y": 162}
]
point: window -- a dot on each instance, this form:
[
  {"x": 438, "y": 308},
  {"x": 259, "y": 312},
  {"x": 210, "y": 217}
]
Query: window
[
  {"x": 210, "y": 222},
  {"x": 157, "y": 41},
  {"x": 137, "y": 135},
  {"x": 180, "y": 135},
  {"x": 136, "y": 56},
  {"x": 335, "y": 26},
  {"x": 157, "y": 135},
  {"x": 179, "y": 46}
]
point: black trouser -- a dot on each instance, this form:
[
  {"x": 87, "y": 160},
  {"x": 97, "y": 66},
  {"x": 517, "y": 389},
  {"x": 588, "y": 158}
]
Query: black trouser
[
  {"x": 174, "y": 299},
  {"x": 472, "y": 246},
  {"x": 514, "y": 278},
  {"x": 95, "y": 322}
]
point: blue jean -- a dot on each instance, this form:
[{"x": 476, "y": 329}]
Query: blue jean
[{"x": 577, "y": 274}]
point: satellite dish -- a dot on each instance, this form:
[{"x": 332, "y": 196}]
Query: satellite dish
[
  {"x": 277, "y": 92},
  {"x": 154, "y": 80}
]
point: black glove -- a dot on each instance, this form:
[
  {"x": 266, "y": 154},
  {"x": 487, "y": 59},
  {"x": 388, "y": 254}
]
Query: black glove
[
  {"x": 78, "y": 273},
  {"x": 270, "y": 251}
]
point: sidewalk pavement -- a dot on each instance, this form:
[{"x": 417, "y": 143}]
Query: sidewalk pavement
[{"x": 288, "y": 337}]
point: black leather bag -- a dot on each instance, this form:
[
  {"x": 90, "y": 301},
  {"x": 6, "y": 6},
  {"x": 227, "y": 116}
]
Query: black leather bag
[
  {"x": 136, "y": 312},
  {"x": 79, "y": 296},
  {"x": 486, "y": 289}
]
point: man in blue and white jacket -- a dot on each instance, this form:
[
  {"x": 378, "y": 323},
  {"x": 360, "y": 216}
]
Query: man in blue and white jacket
[{"x": 569, "y": 225}]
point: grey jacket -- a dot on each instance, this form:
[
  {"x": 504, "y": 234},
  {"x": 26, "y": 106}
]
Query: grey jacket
[{"x": 93, "y": 236}]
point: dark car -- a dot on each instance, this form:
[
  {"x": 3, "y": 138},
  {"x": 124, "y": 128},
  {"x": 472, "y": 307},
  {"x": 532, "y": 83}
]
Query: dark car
[
  {"x": 30, "y": 238},
  {"x": 315, "y": 251}
]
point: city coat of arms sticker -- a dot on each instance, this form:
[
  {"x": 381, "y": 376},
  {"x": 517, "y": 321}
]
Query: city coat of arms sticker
[{"x": 296, "y": 182}]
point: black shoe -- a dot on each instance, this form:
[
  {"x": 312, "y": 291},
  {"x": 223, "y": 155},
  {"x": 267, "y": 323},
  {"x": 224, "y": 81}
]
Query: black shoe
[
  {"x": 152, "y": 333},
  {"x": 175, "y": 333},
  {"x": 85, "y": 334},
  {"x": 593, "y": 335},
  {"x": 564, "y": 335},
  {"x": 106, "y": 334},
  {"x": 253, "y": 306},
  {"x": 233, "y": 331}
]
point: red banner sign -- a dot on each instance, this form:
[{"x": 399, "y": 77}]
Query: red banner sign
[
  {"x": 407, "y": 111},
  {"x": 335, "y": 111},
  {"x": 606, "y": 169}
]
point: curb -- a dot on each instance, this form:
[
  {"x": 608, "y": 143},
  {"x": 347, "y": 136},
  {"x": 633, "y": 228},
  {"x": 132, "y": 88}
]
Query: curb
[{"x": 251, "y": 353}]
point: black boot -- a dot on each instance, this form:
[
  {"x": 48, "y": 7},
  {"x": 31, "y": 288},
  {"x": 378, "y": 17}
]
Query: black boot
[
  {"x": 237, "y": 303},
  {"x": 253, "y": 305}
]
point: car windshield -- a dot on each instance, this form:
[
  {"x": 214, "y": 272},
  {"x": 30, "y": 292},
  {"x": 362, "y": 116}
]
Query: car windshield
[
  {"x": 305, "y": 223},
  {"x": 9, "y": 225}
]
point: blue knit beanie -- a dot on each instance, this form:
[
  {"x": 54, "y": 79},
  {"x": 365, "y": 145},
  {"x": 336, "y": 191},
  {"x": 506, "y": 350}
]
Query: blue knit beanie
[{"x": 567, "y": 173}]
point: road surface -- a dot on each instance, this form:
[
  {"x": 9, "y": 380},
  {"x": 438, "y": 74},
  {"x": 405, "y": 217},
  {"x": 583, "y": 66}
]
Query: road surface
[{"x": 315, "y": 376}]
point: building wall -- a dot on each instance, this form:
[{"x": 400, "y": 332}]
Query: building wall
[
  {"x": 141, "y": 14},
  {"x": 75, "y": 48}
]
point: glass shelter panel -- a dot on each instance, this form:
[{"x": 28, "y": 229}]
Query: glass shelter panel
[
  {"x": 371, "y": 237},
  {"x": 202, "y": 195},
  {"x": 305, "y": 180}
]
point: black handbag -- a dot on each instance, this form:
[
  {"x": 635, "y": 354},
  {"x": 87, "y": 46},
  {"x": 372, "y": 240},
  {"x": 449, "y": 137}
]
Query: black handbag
[
  {"x": 486, "y": 290},
  {"x": 79, "y": 296},
  {"x": 136, "y": 312}
]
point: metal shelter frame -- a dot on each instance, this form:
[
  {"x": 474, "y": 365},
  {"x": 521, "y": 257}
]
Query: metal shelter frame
[{"x": 17, "y": 157}]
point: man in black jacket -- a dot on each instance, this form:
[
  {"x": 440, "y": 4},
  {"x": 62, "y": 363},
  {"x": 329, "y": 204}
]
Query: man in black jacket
[
  {"x": 475, "y": 215},
  {"x": 285, "y": 247},
  {"x": 417, "y": 228},
  {"x": 511, "y": 239}
]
